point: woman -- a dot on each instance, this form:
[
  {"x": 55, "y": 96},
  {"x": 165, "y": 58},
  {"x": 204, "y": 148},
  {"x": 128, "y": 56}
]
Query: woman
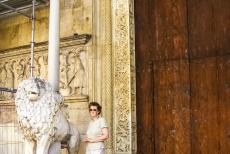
[{"x": 97, "y": 131}]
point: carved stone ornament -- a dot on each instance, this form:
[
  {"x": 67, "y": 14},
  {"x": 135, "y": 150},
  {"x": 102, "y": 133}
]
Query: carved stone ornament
[
  {"x": 41, "y": 119},
  {"x": 124, "y": 76},
  {"x": 15, "y": 66}
]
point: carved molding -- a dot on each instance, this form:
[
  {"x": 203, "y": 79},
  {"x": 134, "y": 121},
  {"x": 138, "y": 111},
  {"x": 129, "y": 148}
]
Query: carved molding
[
  {"x": 75, "y": 40},
  {"x": 124, "y": 76},
  {"x": 133, "y": 77}
]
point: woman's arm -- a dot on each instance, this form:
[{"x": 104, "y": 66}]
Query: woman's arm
[{"x": 103, "y": 137}]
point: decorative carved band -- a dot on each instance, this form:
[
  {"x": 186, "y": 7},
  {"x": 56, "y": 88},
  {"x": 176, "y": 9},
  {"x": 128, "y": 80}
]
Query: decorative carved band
[
  {"x": 124, "y": 75},
  {"x": 75, "y": 40}
]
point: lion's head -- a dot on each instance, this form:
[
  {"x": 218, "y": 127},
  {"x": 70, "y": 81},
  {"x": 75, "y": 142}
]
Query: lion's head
[{"x": 37, "y": 105}]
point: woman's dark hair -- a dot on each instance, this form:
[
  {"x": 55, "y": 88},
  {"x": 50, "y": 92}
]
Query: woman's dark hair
[{"x": 97, "y": 105}]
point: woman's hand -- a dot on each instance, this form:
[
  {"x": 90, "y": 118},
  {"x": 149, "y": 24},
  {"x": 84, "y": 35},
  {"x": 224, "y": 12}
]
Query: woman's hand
[
  {"x": 91, "y": 140},
  {"x": 88, "y": 140},
  {"x": 100, "y": 138},
  {"x": 85, "y": 139},
  {"x": 104, "y": 136}
]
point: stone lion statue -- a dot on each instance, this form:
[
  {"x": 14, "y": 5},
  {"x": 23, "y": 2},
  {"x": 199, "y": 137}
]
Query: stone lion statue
[{"x": 43, "y": 123}]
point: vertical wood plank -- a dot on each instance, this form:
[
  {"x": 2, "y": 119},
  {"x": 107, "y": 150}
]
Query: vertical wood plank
[
  {"x": 171, "y": 30},
  {"x": 171, "y": 92},
  {"x": 222, "y": 26},
  {"x": 209, "y": 27},
  {"x": 171, "y": 78},
  {"x": 144, "y": 31},
  {"x": 161, "y": 37},
  {"x": 204, "y": 106},
  {"x": 201, "y": 28},
  {"x": 224, "y": 103}
]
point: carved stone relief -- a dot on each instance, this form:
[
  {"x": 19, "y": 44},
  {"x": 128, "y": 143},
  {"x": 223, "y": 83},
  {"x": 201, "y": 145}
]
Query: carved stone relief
[
  {"x": 124, "y": 76},
  {"x": 7, "y": 78},
  {"x": 73, "y": 79},
  {"x": 73, "y": 67},
  {"x": 42, "y": 67}
]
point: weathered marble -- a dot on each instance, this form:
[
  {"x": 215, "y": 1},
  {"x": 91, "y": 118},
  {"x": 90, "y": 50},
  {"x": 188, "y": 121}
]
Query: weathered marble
[{"x": 43, "y": 120}]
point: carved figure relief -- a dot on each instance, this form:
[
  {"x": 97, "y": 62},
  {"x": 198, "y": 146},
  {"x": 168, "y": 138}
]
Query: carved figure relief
[
  {"x": 27, "y": 69},
  {"x": 42, "y": 67},
  {"x": 14, "y": 68},
  {"x": 76, "y": 74},
  {"x": 9, "y": 81},
  {"x": 2, "y": 80},
  {"x": 2, "y": 76},
  {"x": 72, "y": 72},
  {"x": 20, "y": 71},
  {"x": 64, "y": 88}
]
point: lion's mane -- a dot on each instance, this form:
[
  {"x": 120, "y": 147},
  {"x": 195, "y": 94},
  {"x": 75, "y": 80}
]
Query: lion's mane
[{"x": 37, "y": 118}]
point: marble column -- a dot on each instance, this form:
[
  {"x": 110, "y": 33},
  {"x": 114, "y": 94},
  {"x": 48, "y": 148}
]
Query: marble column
[{"x": 54, "y": 38}]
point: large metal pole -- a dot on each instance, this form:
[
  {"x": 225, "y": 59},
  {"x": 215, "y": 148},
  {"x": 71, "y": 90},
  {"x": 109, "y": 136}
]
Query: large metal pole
[
  {"x": 32, "y": 39},
  {"x": 54, "y": 34}
]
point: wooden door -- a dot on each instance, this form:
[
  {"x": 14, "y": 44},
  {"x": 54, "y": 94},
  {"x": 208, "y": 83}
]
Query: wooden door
[
  {"x": 183, "y": 75},
  {"x": 145, "y": 107},
  {"x": 209, "y": 48}
]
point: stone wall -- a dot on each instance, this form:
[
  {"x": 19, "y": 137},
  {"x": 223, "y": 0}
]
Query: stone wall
[
  {"x": 15, "y": 67},
  {"x": 11, "y": 141},
  {"x": 75, "y": 17}
]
